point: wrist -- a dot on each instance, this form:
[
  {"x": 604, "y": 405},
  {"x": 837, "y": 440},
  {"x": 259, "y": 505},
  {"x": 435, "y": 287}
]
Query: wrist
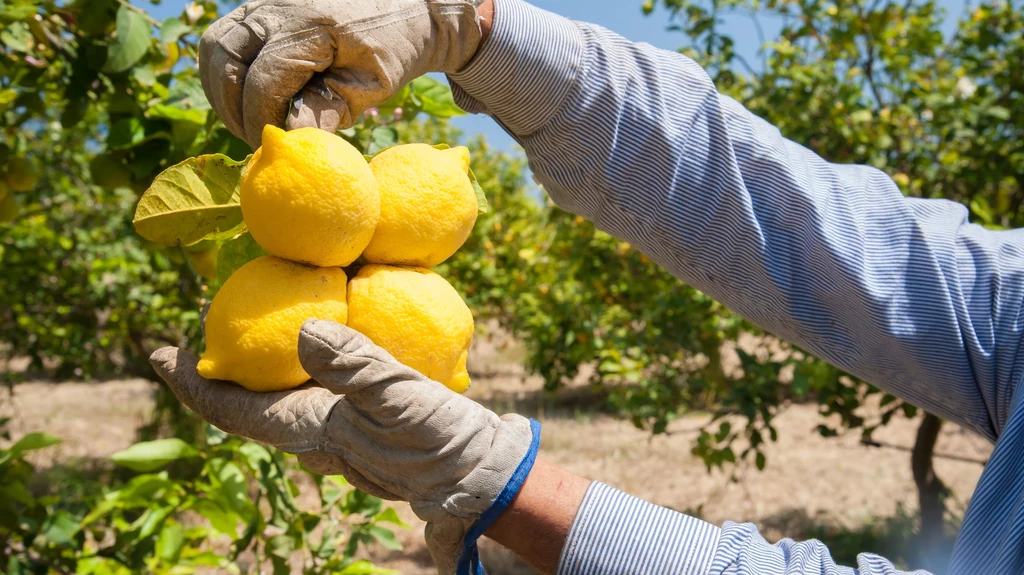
[
  {"x": 485, "y": 14},
  {"x": 536, "y": 524}
]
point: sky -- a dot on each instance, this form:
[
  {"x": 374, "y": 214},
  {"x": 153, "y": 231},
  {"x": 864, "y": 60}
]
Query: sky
[{"x": 621, "y": 16}]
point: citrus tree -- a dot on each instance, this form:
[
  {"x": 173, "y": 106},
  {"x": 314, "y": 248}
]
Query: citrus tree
[{"x": 99, "y": 103}]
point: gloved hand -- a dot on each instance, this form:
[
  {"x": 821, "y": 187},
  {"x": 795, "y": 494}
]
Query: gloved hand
[
  {"x": 255, "y": 60},
  {"x": 388, "y": 429}
]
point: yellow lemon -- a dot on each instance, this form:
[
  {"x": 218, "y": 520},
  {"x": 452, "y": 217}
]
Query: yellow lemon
[
  {"x": 428, "y": 206},
  {"x": 308, "y": 196},
  {"x": 416, "y": 316},
  {"x": 252, "y": 328},
  {"x": 22, "y": 174},
  {"x": 8, "y": 207}
]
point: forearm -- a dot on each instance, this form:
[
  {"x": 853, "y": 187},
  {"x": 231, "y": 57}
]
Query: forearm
[
  {"x": 561, "y": 523},
  {"x": 535, "y": 526},
  {"x": 832, "y": 258}
]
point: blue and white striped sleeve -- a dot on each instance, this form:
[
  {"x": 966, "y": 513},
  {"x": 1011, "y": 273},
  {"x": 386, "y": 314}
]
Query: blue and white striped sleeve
[
  {"x": 904, "y": 293},
  {"x": 616, "y": 534}
]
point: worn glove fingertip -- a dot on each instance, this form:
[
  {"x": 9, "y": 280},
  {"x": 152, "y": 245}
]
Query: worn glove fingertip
[{"x": 165, "y": 361}]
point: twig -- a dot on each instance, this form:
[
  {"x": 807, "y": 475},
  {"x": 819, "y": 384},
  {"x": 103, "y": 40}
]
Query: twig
[{"x": 950, "y": 456}]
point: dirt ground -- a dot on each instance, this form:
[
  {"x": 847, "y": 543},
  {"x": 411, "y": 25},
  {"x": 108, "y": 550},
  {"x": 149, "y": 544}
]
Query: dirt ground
[{"x": 809, "y": 481}]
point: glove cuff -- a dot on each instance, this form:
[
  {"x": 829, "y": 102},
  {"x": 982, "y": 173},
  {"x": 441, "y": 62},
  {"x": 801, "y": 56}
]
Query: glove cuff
[{"x": 469, "y": 560}]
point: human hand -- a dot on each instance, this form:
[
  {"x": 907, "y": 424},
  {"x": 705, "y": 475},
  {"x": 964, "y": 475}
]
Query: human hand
[
  {"x": 334, "y": 58},
  {"x": 388, "y": 429}
]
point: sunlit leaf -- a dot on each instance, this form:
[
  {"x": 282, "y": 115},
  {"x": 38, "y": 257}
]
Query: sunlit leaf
[
  {"x": 130, "y": 42},
  {"x": 435, "y": 98},
  {"x": 172, "y": 29},
  {"x": 192, "y": 201},
  {"x": 188, "y": 94},
  {"x": 34, "y": 441},
  {"x": 150, "y": 455}
]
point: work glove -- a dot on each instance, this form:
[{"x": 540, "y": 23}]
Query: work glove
[
  {"x": 334, "y": 58},
  {"x": 388, "y": 429}
]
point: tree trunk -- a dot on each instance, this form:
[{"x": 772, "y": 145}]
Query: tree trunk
[{"x": 933, "y": 547}]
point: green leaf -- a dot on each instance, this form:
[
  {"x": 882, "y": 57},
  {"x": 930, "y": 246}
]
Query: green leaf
[
  {"x": 231, "y": 489},
  {"x": 236, "y": 253},
  {"x": 170, "y": 542},
  {"x": 126, "y": 133},
  {"x": 193, "y": 201},
  {"x": 389, "y": 515},
  {"x": 12, "y": 12},
  {"x": 221, "y": 519},
  {"x": 435, "y": 98},
  {"x": 998, "y": 112},
  {"x": 760, "y": 461},
  {"x": 359, "y": 502},
  {"x": 110, "y": 172},
  {"x": 175, "y": 113},
  {"x": 143, "y": 488},
  {"x": 385, "y": 537},
  {"x": 365, "y": 568},
  {"x": 861, "y": 117},
  {"x": 130, "y": 43},
  {"x": 99, "y": 511},
  {"x": 188, "y": 94},
  {"x": 482, "y": 205},
  {"x": 17, "y": 36},
  {"x": 144, "y": 75},
  {"x": 381, "y": 139},
  {"x": 16, "y": 491},
  {"x": 173, "y": 29},
  {"x": 150, "y": 455},
  {"x": 153, "y": 519},
  {"x": 32, "y": 442}
]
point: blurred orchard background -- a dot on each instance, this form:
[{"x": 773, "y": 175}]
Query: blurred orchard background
[{"x": 640, "y": 380}]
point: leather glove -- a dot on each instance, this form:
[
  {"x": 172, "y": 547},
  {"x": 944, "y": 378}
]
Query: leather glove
[
  {"x": 388, "y": 429},
  {"x": 254, "y": 61}
]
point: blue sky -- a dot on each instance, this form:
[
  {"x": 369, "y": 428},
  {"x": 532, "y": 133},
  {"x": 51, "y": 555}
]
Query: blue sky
[{"x": 621, "y": 16}]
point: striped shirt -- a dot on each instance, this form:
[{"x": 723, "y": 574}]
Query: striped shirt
[{"x": 902, "y": 292}]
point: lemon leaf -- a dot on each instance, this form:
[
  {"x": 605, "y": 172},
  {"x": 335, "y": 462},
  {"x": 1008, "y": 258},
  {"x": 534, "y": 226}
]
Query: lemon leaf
[
  {"x": 193, "y": 201},
  {"x": 235, "y": 254},
  {"x": 131, "y": 41},
  {"x": 482, "y": 205}
]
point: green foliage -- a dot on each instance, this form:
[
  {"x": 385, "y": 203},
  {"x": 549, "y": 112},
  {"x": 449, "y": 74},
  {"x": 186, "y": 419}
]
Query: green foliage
[
  {"x": 97, "y": 100},
  {"x": 230, "y": 505}
]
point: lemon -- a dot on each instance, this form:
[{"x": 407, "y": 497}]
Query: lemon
[
  {"x": 205, "y": 261},
  {"x": 22, "y": 174},
  {"x": 308, "y": 196},
  {"x": 417, "y": 316},
  {"x": 252, "y": 328},
  {"x": 427, "y": 205},
  {"x": 8, "y": 207}
]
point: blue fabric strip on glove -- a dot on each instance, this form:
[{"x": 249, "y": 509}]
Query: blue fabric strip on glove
[{"x": 469, "y": 561}]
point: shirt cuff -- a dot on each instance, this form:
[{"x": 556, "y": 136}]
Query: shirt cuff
[
  {"x": 615, "y": 533},
  {"x": 524, "y": 71}
]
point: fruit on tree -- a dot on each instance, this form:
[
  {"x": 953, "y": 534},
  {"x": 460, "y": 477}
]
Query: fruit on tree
[
  {"x": 8, "y": 207},
  {"x": 252, "y": 327},
  {"x": 428, "y": 205},
  {"x": 417, "y": 316},
  {"x": 205, "y": 261},
  {"x": 308, "y": 196},
  {"x": 22, "y": 174}
]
